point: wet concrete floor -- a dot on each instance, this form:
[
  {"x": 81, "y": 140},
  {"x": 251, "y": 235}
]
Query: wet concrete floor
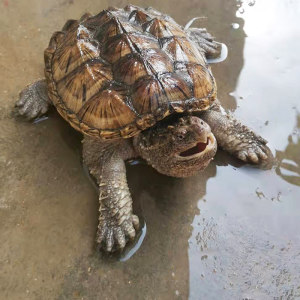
[{"x": 230, "y": 232}]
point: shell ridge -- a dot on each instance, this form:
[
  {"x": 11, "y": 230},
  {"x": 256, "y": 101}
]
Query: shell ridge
[{"x": 170, "y": 93}]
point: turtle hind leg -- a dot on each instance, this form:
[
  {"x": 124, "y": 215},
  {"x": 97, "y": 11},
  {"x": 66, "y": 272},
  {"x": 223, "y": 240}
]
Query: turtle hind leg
[
  {"x": 33, "y": 100},
  {"x": 205, "y": 41}
]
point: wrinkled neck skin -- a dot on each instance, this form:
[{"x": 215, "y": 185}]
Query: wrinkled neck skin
[{"x": 177, "y": 148}]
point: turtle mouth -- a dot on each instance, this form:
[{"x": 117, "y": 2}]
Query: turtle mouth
[{"x": 199, "y": 148}]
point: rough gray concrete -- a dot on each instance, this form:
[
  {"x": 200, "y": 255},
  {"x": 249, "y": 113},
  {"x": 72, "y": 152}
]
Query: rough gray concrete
[{"x": 231, "y": 232}]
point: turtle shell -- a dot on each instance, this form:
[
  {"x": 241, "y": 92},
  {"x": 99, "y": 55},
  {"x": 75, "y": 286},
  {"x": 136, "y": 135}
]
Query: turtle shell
[{"x": 119, "y": 72}]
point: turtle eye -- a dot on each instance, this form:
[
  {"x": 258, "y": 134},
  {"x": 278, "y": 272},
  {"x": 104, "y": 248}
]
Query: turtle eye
[{"x": 181, "y": 135}]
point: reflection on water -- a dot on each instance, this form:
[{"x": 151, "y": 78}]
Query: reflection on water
[
  {"x": 289, "y": 160},
  {"x": 230, "y": 232},
  {"x": 131, "y": 250},
  {"x": 245, "y": 243}
]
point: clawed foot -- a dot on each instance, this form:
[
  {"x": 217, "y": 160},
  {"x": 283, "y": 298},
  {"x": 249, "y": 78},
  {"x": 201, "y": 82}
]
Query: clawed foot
[
  {"x": 206, "y": 42},
  {"x": 112, "y": 236},
  {"x": 33, "y": 101},
  {"x": 255, "y": 152}
]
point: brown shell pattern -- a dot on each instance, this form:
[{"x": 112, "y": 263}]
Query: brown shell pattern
[{"x": 119, "y": 72}]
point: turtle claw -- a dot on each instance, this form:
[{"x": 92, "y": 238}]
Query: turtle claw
[
  {"x": 112, "y": 237},
  {"x": 120, "y": 238},
  {"x": 254, "y": 153},
  {"x": 33, "y": 100},
  {"x": 205, "y": 41}
]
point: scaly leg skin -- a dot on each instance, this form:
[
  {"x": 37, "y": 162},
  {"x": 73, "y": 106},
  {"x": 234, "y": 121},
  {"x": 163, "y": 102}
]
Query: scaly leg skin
[
  {"x": 33, "y": 100},
  {"x": 205, "y": 41},
  {"x": 236, "y": 138},
  {"x": 105, "y": 161}
]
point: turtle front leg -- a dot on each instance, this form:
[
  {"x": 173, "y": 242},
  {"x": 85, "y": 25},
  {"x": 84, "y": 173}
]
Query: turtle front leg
[
  {"x": 235, "y": 138},
  {"x": 117, "y": 223},
  {"x": 33, "y": 100},
  {"x": 205, "y": 41}
]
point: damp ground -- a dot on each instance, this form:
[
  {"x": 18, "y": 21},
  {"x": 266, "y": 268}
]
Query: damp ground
[{"x": 230, "y": 232}]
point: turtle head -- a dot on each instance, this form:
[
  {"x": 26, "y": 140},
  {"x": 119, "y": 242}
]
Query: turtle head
[{"x": 179, "y": 146}]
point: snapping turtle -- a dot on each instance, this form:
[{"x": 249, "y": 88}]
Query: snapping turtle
[{"x": 137, "y": 84}]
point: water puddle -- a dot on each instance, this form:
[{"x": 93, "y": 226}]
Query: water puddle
[{"x": 230, "y": 232}]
